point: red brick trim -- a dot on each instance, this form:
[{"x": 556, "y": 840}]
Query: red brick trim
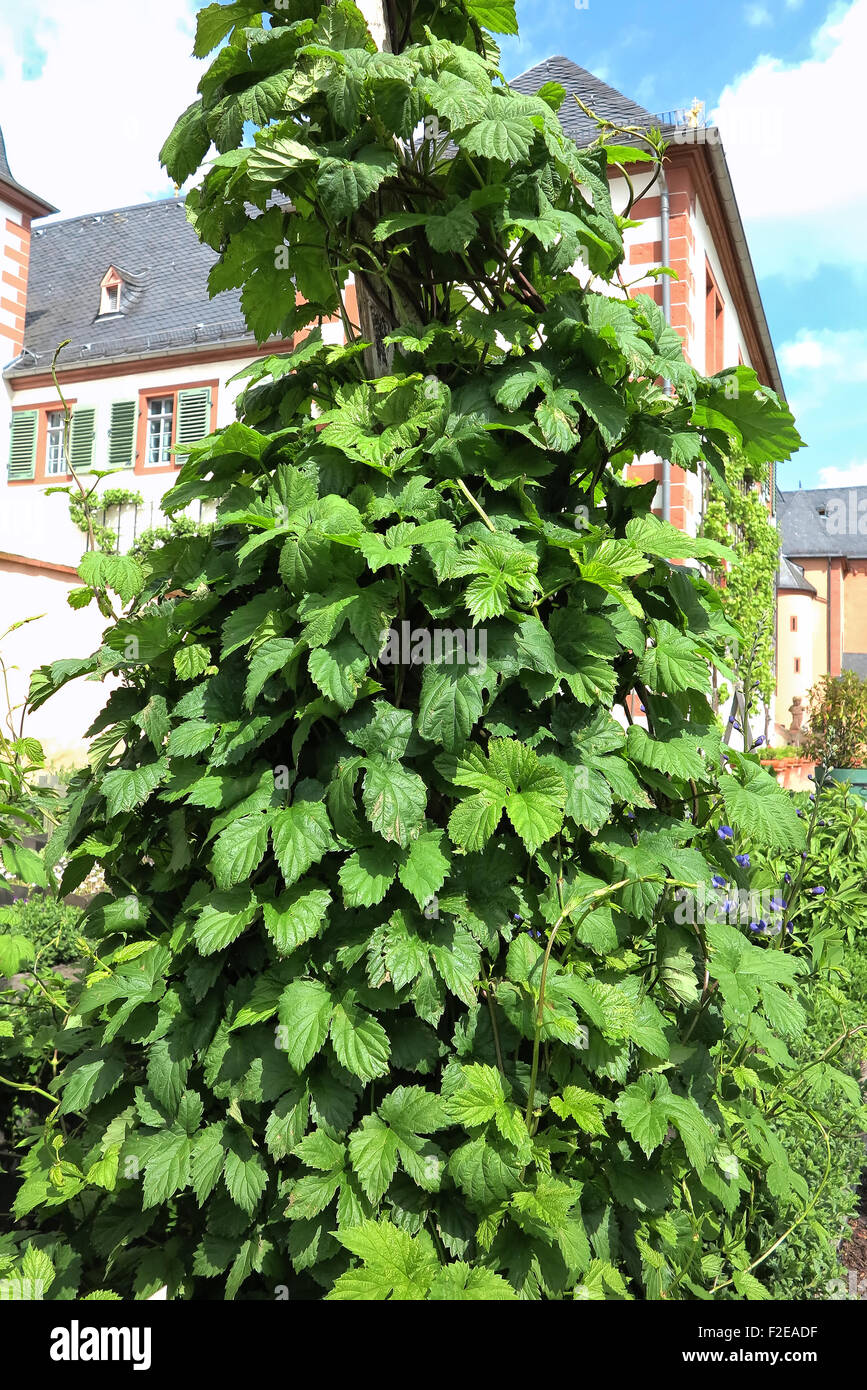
[
  {"x": 134, "y": 366},
  {"x": 22, "y": 564}
]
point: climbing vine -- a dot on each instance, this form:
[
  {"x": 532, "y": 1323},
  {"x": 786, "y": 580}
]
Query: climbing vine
[{"x": 740, "y": 518}]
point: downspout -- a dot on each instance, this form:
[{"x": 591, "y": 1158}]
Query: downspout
[
  {"x": 665, "y": 218},
  {"x": 828, "y": 611}
]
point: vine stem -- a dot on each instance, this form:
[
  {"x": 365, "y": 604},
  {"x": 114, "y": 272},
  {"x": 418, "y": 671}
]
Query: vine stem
[
  {"x": 804, "y": 1214},
  {"x": 23, "y": 1086},
  {"x": 481, "y": 511},
  {"x": 592, "y": 901}
]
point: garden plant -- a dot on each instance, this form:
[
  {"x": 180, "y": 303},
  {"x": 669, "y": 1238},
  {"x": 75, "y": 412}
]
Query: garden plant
[{"x": 404, "y": 984}]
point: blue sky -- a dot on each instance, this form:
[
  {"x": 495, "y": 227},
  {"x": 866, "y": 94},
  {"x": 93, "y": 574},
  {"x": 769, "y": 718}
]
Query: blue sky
[{"x": 782, "y": 78}]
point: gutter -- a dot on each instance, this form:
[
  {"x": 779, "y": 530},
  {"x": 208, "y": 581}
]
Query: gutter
[
  {"x": 665, "y": 219},
  {"x": 828, "y": 611},
  {"x": 710, "y": 138}
]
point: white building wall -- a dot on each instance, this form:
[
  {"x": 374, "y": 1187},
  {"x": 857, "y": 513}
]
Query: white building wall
[{"x": 38, "y": 525}]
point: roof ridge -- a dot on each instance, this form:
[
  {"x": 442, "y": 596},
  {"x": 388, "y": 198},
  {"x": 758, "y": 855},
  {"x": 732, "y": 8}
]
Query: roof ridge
[{"x": 107, "y": 212}]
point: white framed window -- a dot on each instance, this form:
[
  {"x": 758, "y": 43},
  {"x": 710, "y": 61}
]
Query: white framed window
[
  {"x": 55, "y": 463},
  {"x": 160, "y": 421},
  {"x": 111, "y": 299}
]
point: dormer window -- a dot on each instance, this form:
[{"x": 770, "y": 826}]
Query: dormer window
[{"x": 110, "y": 290}]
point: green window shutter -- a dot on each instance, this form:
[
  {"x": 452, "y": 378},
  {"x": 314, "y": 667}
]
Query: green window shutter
[
  {"x": 194, "y": 416},
  {"x": 81, "y": 437},
  {"x": 22, "y": 447},
  {"x": 121, "y": 434}
]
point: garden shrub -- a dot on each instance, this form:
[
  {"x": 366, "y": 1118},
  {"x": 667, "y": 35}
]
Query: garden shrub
[
  {"x": 837, "y": 712},
  {"x": 397, "y": 992},
  {"x": 807, "y": 1264}
]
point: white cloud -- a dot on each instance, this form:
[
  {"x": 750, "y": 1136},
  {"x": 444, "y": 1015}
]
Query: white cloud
[
  {"x": 800, "y": 183},
  {"x": 853, "y": 475},
  {"x": 85, "y": 132},
  {"x": 757, "y": 16},
  {"x": 838, "y": 357}
]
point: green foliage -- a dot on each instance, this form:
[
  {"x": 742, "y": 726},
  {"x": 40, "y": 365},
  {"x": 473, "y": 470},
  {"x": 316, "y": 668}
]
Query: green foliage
[
  {"x": 738, "y": 517},
  {"x": 824, "y": 1147},
  {"x": 837, "y": 720},
  {"x": 390, "y": 990},
  {"x": 47, "y": 923},
  {"x": 25, "y": 804}
]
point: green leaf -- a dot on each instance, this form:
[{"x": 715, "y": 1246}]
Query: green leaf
[
  {"x": 301, "y": 835},
  {"x": 426, "y": 867},
  {"x": 239, "y": 850},
  {"x": 673, "y": 663},
  {"x": 395, "y": 1265},
  {"x": 460, "y": 1282},
  {"x": 451, "y": 704},
  {"x": 585, "y": 1108},
  {"x": 643, "y": 1114},
  {"x": 125, "y": 790},
  {"x": 244, "y": 1175},
  {"x": 191, "y": 661},
  {"x": 297, "y": 915},
  {"x": 167, "y": 1170},
  {"x": 373, "y": 1151},
  {"x": 361, "y": 1043},
  {"x": 339, "y": 670},
  {"x": 345, "y": 184},
  {"x": 761, "y": 810},
  {"x": 305, "y": 1012},
  {"x": 498, "y": 16},
  {"x": 223, "y": 919},
  {"x": 367, "y": 875},
  {"x": 500, "y": 137},
  {"x": 394, "y": 800}
]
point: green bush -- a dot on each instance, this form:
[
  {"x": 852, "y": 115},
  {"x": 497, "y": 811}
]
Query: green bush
[
  {"x": 50, "y": 926},
  {"x": 830, "y": 1164},
  {"x": 837, "y": 713},
  {"x": 398, "y": 993}
]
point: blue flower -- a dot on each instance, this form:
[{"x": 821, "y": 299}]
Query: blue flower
[
  {"x": 743, "y": 860},
  {"x": 754, "y": 926},
  {"x": 719, "y": 881},
  {"x": 779, "y": 904},
  {"x": 817, "y": 892},
  {"x": 789, "y": 928},
  {"x": 787, "y": 877},
  {"x": 799, "y": 813},
  {"x": 517, "y": 917},
  {"x": 759, "y": 741},
  {"x": 725, "y": 832}
]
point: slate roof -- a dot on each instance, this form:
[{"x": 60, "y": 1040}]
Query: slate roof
[
  {"x": 823, "y": 521},
  {"x": 604, "y": 100},
  {"x": 855, "y": 661},
  {"x": 791, "y": 576},
  {"x": 164, "y": 302}
]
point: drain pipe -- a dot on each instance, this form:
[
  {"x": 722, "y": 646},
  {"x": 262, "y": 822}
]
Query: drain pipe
[{"x": 665, "y": 218}]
